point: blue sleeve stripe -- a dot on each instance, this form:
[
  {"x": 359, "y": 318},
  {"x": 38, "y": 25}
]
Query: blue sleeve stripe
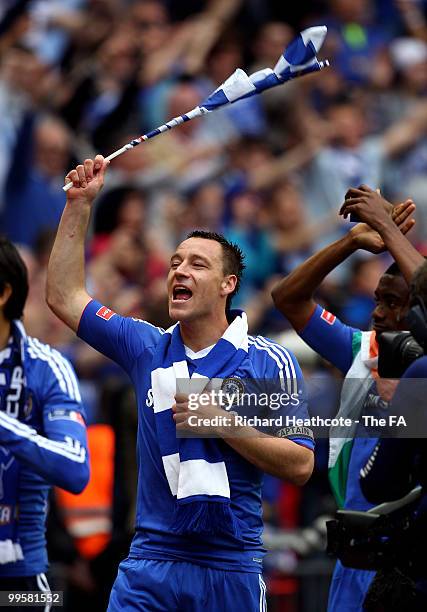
[
  {"x": 59, "y": 366},
  {"x": 70, "y": 449}
]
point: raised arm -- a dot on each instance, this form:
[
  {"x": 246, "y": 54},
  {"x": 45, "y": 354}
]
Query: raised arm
[
  {"x": 294, "y": 295},
  {"x": 66, "y": 291},
  {"x": 405, "y": 133},
  {"x": 368, "y": 205}
]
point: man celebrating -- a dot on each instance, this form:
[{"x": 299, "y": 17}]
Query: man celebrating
[
  {"x": 42, "y": 435},
  {"x": 198, "y": 522},
  {"x": 353, "y": 352}
]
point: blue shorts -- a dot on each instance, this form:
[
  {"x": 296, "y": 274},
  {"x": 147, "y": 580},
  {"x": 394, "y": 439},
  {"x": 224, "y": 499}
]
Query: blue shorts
[
  {"x": 177, "y": 586},
  {"x": 348, "y": 589}
]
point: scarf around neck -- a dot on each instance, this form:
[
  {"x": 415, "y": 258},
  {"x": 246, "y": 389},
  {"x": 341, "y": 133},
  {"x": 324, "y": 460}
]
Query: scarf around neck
[{"x": 194, "y": 467}]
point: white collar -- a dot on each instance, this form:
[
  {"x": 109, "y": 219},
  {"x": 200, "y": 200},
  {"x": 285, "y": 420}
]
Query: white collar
[{"x": 199, "y": 354}]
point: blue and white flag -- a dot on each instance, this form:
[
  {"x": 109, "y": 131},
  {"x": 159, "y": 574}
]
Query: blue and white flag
[{"x": 299, "y": 58}]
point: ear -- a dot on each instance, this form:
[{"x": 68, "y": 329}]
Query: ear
[
  {"x": 5, "y": 295},
  {"x": 228, "y": 285}
]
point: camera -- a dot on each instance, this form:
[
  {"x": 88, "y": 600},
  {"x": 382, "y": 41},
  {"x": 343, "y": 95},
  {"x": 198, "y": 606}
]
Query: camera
[
  {"x": 397, "y": 350},
  {"x": 382, "y": 537}
]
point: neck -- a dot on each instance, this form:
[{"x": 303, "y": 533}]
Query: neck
[
  {"x": 5, "y": 331},
  {"x": 197, "y": 335}
]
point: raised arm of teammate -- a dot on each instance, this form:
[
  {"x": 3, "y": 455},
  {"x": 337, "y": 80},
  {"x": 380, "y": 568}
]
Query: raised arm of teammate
[
  {"x": 66, "y": 287},
  {"x": 368, "y": 205},
  {"x": 406, "y": 131},
  {"x": 294, "y": 294}
]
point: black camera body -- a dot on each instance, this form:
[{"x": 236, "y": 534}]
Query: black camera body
[
  {"x": 389, "y": 539},
  {"x": 382, "y": 537},
  {"x": 397, "y": 350}
]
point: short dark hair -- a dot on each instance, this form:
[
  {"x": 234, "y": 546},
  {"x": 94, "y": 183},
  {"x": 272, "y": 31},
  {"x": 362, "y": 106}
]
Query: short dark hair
[
  {"x": 13, "y": 272},
  {"x": 232, "y": 256}
]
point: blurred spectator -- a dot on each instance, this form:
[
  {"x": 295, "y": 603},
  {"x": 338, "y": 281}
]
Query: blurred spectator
[
  {"x": 206, "y": 208},
  {"x": 33, "y": 190},
  {"x": 356, "y": 37},
  {"x": 23, "y": 83},
  {"x": 101, "y": 100},
  {"x": 278, "y": 103},
  {"x": 192, "y": 153},
  {"x": 254, "y": 241},
  {"x": 295, "y": 234},
  {"x": 353, "y": 157},
  {"x": 247, "y": 118},
  {"x": 123, "y": 207}
]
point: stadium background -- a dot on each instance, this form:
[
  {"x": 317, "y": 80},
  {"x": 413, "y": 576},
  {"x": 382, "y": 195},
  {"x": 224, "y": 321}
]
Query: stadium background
[{"x": 84, "y": 76}]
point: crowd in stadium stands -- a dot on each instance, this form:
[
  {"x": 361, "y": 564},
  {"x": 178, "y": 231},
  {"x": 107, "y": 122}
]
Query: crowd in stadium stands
[{"x": 79, "y": 77}]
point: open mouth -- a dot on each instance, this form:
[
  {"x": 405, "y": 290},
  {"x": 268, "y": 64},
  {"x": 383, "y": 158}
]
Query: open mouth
[{"x": 181, "y": 293}]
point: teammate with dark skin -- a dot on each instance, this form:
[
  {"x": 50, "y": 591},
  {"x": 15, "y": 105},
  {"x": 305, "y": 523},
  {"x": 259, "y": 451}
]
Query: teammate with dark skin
[{"x": 383, "y": 228}]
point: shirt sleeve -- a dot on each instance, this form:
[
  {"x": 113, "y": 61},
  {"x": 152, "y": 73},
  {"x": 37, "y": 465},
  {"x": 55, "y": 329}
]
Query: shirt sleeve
[
  {"x": 60, "y": 455},
  {"x": 287, "y": 396},
  {"x": 417, "y": 369},
  {"x": 121, "y": 339},
  {"x": 330, "y": 338}
]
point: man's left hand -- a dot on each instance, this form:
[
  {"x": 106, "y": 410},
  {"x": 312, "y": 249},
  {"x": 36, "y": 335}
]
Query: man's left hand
[{"x": 376, "y": 211}]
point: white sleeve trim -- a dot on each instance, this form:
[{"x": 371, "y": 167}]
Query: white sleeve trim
[
  {"x": 59, "y": 366},
  {"x": 70, "y": 448}
]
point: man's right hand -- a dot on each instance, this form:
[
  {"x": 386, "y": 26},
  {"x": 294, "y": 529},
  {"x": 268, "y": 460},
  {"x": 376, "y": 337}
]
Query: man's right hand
[
  {"x": 366, "y": 238},
  {"x": 87, "y": 179}
]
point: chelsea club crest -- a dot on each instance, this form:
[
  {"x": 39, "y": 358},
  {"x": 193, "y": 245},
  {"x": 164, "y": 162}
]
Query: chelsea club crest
[{"x": 233, "y": 388}]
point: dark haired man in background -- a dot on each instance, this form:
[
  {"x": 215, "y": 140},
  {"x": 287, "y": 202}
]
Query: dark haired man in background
[
  {"x": 352, "y": 351},
  {"x": 198, "y": 520},
  {"x": 42, "y": 435}
]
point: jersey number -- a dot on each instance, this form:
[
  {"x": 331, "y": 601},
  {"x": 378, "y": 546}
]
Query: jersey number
[{"x": 15, "y": 390}]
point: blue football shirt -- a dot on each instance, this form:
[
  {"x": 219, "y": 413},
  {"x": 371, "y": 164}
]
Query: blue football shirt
[
  {"x": 132, "y": 343},
  {"x": 48, "y": 441}
]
